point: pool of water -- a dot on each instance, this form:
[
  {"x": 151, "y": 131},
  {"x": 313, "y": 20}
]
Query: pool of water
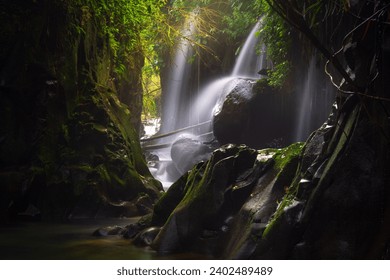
[{"x": 73, "y": 241}]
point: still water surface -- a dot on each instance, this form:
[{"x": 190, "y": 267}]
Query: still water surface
[{"x": 73, "y": 241}]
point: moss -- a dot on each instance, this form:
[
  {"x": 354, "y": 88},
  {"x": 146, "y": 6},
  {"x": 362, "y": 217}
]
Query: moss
[
  {"x": 169, "y": 201},
  {"x": 65, "y": 121},
  {"x": 281, "y": 156},
  {"x": 284, "y": 156},
  {"x": 340, "y": 138},
  {"x": 286, "y": 162}
]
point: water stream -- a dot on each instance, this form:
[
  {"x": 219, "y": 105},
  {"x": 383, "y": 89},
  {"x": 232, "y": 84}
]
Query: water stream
[{"x": 74, "y": 241}]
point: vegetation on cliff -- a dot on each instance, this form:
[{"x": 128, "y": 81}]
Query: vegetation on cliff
[{"x": 71, "y": 102}]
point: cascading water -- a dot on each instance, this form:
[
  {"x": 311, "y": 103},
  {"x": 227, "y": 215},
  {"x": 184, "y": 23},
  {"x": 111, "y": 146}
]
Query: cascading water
[
  {"x": 179, "y": 73},
  {"x": 247, "y": 65},
  {"x": 315, "y": 101},
  {"x": 249, "y": 62},
  {"x": 160, "y": 161},
  {"x": 314, "y": 97}
]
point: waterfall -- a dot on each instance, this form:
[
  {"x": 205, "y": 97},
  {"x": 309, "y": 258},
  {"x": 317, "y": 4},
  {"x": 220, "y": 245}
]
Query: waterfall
[
  {"x": 315, "y": 98},
  {"x": 248, "y": 62},
  {"x": 201, "y": 109},
  {"x": 179, "y": 73}
]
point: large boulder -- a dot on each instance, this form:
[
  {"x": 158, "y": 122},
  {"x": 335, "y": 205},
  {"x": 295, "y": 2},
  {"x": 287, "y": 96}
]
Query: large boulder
[
  {"x": 187, "y": 151},
  {"x": 255, "y": 114},
  {"x": 232, "y": 113}
]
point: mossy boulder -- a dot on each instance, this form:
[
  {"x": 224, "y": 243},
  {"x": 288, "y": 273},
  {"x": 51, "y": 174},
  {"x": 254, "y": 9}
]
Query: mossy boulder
[{"x": 206, "y": 208}]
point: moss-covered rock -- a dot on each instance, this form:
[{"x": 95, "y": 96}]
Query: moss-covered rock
[
  {"x": 65, "y": 126},
  {"x": 222, "y": 205},
  {"x": 336, "y": 207}
]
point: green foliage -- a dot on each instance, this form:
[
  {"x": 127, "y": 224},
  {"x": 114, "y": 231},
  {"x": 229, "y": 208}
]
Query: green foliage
[
  {"x": 283, "y": 158},
  {"x": 241, "y": 15},
  {"x": 275, "y": 35},
  {"x": 152, "y": 93},
  {"x": 128, "y": 25},
  {"x": 162, "y": 40},
  {"x": 316, "y": 11}
]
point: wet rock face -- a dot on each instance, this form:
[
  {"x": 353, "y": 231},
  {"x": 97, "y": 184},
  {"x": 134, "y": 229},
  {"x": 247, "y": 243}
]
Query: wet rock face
[
  {"x": 188, "y": 151},
  {"x": 255, "y": 114},
  {"x": 350, "y": 197},
  {"x": 146, "y": 237},
  {"x": 223, "y": 205},
  {"x": 205, "y": 191},
  {"x": 232, "y": 113}
]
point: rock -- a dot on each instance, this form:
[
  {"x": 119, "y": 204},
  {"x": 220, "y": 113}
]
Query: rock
[
  {"x": 232, "y": 113},
  {"x": 144, "y": 204},
  {"x": 131, "y": 231},
  {"x": 255, "y": 114},
  {"x": 169, "y": 200},
  {"x": 256, "y": 213},
  {"x": 75, "y": 142},
  {"x": 110, "y": 230},
  {"x": 187, "y": 151},
  {"x": 146, "y": 237},
  {"x": 206, "y": 203},
  {"x": 134, "y": 229},
  {"x": 202, "y": 211}
]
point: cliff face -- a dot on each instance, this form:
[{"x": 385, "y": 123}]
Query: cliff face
[{"x": 68, "y": 143}]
